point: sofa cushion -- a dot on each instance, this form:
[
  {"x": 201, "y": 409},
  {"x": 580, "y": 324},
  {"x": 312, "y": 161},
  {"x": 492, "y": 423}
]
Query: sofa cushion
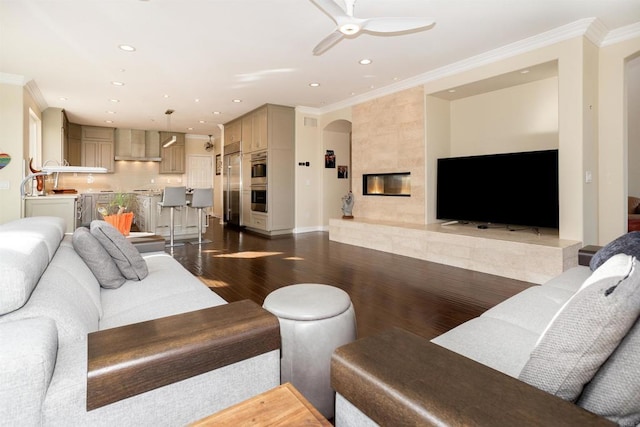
[
  {"x": 615, "y": 389},
  {"x": 49, "y": 229},
  {"x": 23, "y": 259},
  {"x": 27, "y": 361},
  {"x": 97, "y": 259},
  {"x": 532, "y": 308},
  {"x": 126, "y": 256},
  {"x": 628, "y": 243},
  {"x": 495, "y": 343},
  {"x": 586, "y": 330},
  {"x": 168, "y": 289}
]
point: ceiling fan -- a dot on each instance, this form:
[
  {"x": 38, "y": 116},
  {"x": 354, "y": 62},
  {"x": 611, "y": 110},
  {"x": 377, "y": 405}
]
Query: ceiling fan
[
  {"x": 209, "y": 144},
  {"x": 350, "y": 26}
]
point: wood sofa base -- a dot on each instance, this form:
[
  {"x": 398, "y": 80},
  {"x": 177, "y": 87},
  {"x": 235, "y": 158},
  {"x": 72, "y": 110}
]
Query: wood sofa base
[
  {"x": 137, "y": 358},
  {"x": 398, "y": 378}
]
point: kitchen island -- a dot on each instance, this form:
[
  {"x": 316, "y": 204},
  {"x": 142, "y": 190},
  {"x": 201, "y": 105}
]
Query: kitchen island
[{"x": 148, "y": 216}]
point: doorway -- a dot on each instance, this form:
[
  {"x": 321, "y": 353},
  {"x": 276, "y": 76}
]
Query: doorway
[{"x": 337, "y": 174}]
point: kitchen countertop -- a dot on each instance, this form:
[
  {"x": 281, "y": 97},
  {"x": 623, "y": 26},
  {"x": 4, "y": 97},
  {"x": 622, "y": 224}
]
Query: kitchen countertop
[{"x": 57, "y": 196}]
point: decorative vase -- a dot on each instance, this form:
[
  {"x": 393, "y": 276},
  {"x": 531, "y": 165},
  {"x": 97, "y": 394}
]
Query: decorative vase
[{"x": 121, "y": 221}]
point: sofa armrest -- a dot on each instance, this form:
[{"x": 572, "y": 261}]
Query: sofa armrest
[
  {"x": 133, "y": 359},
  {"x": 585, "y": 254},
  {"x": 398, "y": 378}
]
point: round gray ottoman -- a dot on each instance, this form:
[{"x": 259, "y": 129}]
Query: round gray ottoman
[{"x": 314, "y": 320}]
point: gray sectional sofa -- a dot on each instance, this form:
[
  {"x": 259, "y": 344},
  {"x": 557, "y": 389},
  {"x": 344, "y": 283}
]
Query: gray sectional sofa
[
  {"x": 555, "y": 354},
  {"x": 51, "y": 304}
]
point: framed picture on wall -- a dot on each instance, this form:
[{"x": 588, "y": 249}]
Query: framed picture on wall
[
  {"x": 343, "y": 172},
  {"x": 218, "y": 164},
  {"x": 330, "y": 159}
]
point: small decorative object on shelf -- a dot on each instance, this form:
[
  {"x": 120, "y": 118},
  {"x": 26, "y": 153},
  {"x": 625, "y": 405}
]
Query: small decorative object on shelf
[{"x": 347, "y": 206}]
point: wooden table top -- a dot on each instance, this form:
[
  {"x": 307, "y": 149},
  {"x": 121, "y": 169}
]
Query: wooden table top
[{"x": 281, "y": 406}]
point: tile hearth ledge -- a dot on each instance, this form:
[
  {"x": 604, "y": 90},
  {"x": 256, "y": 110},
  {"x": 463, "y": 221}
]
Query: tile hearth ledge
[{"x": 521, "y": 255}]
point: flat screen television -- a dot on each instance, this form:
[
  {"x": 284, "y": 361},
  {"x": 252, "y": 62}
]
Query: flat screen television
[{"x": 511, "y": 189}]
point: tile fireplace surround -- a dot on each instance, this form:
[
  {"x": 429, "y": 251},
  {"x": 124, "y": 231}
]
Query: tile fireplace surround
[{"x": 521, "y": 255}]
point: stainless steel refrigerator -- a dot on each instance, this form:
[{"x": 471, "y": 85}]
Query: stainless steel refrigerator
[{"x": 231, "y": 184}]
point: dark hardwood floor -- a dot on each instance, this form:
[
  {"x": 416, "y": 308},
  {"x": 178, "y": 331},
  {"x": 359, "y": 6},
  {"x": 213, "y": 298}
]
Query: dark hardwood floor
[{"x": 386, "y": 290}]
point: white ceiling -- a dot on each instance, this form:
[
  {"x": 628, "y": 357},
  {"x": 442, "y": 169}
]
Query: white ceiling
[{"x": 258, "y": 51}]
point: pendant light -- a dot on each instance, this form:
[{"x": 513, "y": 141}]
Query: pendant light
[{"x": 169, "y": 141}]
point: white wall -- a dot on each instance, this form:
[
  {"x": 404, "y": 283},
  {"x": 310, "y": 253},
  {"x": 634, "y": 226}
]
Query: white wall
[
  {"x": 633, "y": 114},
  {"x": 612, "y": 138},
  {"x": 519, "y": 118}
]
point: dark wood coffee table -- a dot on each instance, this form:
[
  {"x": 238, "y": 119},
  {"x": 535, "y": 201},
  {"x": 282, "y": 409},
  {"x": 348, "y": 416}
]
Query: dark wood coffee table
[{"x": 281, "y": 406}]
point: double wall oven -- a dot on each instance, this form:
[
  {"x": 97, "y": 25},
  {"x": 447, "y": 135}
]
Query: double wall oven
[{"x": 259, "y": 182}]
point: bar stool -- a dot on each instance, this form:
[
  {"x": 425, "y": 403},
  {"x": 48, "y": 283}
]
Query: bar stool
[
  {"x": 173, "y": 197},
  {"x": 202, "y": 199}
]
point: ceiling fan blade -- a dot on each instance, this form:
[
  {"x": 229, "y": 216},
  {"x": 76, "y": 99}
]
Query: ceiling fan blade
[
  {"x": 327, "y": 42},
  {"x": 396, "y": 25},
  {"x": 331, "y": 8}
]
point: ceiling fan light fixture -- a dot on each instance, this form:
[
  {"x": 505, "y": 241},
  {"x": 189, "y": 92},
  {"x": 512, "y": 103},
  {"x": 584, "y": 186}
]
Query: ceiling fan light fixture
[{"x": 349, "y": 29}]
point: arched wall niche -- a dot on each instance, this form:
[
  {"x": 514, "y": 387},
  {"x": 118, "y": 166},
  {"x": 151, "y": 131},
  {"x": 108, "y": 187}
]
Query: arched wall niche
[{"x": 336, "y": 138}]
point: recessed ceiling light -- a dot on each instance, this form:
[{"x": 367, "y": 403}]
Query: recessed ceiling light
[
  {"x": 353, "y": 93},
  {"x": 237, "y": 100},
  {"x": 197, "y": 100},
  {"x": 395, "y": 79},
  {"x": 217, "y": 112},
  {"x": 108, "y": 121},
  {"x": 189, "y": 128},
  {"x": 114, "y": 100},
  {"x": 111, "y": 112},
  {"x": 451, "y": 90},
  {"x": 117, "y": 83},
  {"x": 314, "y": 84},
  {"x": 365, "y": 61},
  {"x": 524, "y": 71},
  {"x": 202, "y": 121},
  {"x": 62, "y": 98},
  {"x": 166, "y": 95},
  {"x": 127, "y": 48}
]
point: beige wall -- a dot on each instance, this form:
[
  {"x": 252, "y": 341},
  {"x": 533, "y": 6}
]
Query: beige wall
[
  {"x": 633, "y": 113},
  {"x": 612, "y": 138},
  {"x": 13, "y": 143},
  {"x": 519, "y": 118},
  {"x": 308, "y": 180},
  {"x": 388, "y": 136}
]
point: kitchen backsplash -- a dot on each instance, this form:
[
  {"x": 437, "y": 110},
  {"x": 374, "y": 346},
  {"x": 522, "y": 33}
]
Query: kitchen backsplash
[{"x": 128, "y": 176}]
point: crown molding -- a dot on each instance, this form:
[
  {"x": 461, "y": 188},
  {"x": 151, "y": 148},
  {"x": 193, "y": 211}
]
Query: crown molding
[
  {"x": 35, "y": 93},
  {"x": 12, "y": 79},
  {"x": 592, "y": 28},
  {"x": 621, "y": 34}
]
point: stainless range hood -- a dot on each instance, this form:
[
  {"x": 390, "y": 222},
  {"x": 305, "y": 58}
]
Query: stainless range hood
[{"x": 137, "y": 145}]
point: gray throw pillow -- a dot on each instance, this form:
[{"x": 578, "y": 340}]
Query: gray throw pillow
[
  {"x": 586, "y": 330},
  {"x": 97, "y": 259},
  {"x": 614, "y": 392},
  {"x": 124, "y": 254},
  {"x": 626, "y": 244}
]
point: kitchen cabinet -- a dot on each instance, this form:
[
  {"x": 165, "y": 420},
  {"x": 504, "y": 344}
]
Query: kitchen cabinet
[
  {"x": 255, "y": 136},
  {"x": 173, "y": 157},
  {"x": 63, "y": 206},
  {"x": 98, "y": 147},
  {"x": 73, "y": 148},
  {"x": 270, "y": 128},
  {"x": 245, "y": 202},
  {"x": 233, "y": 132},
  {"x": 54, "y": 135}
]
